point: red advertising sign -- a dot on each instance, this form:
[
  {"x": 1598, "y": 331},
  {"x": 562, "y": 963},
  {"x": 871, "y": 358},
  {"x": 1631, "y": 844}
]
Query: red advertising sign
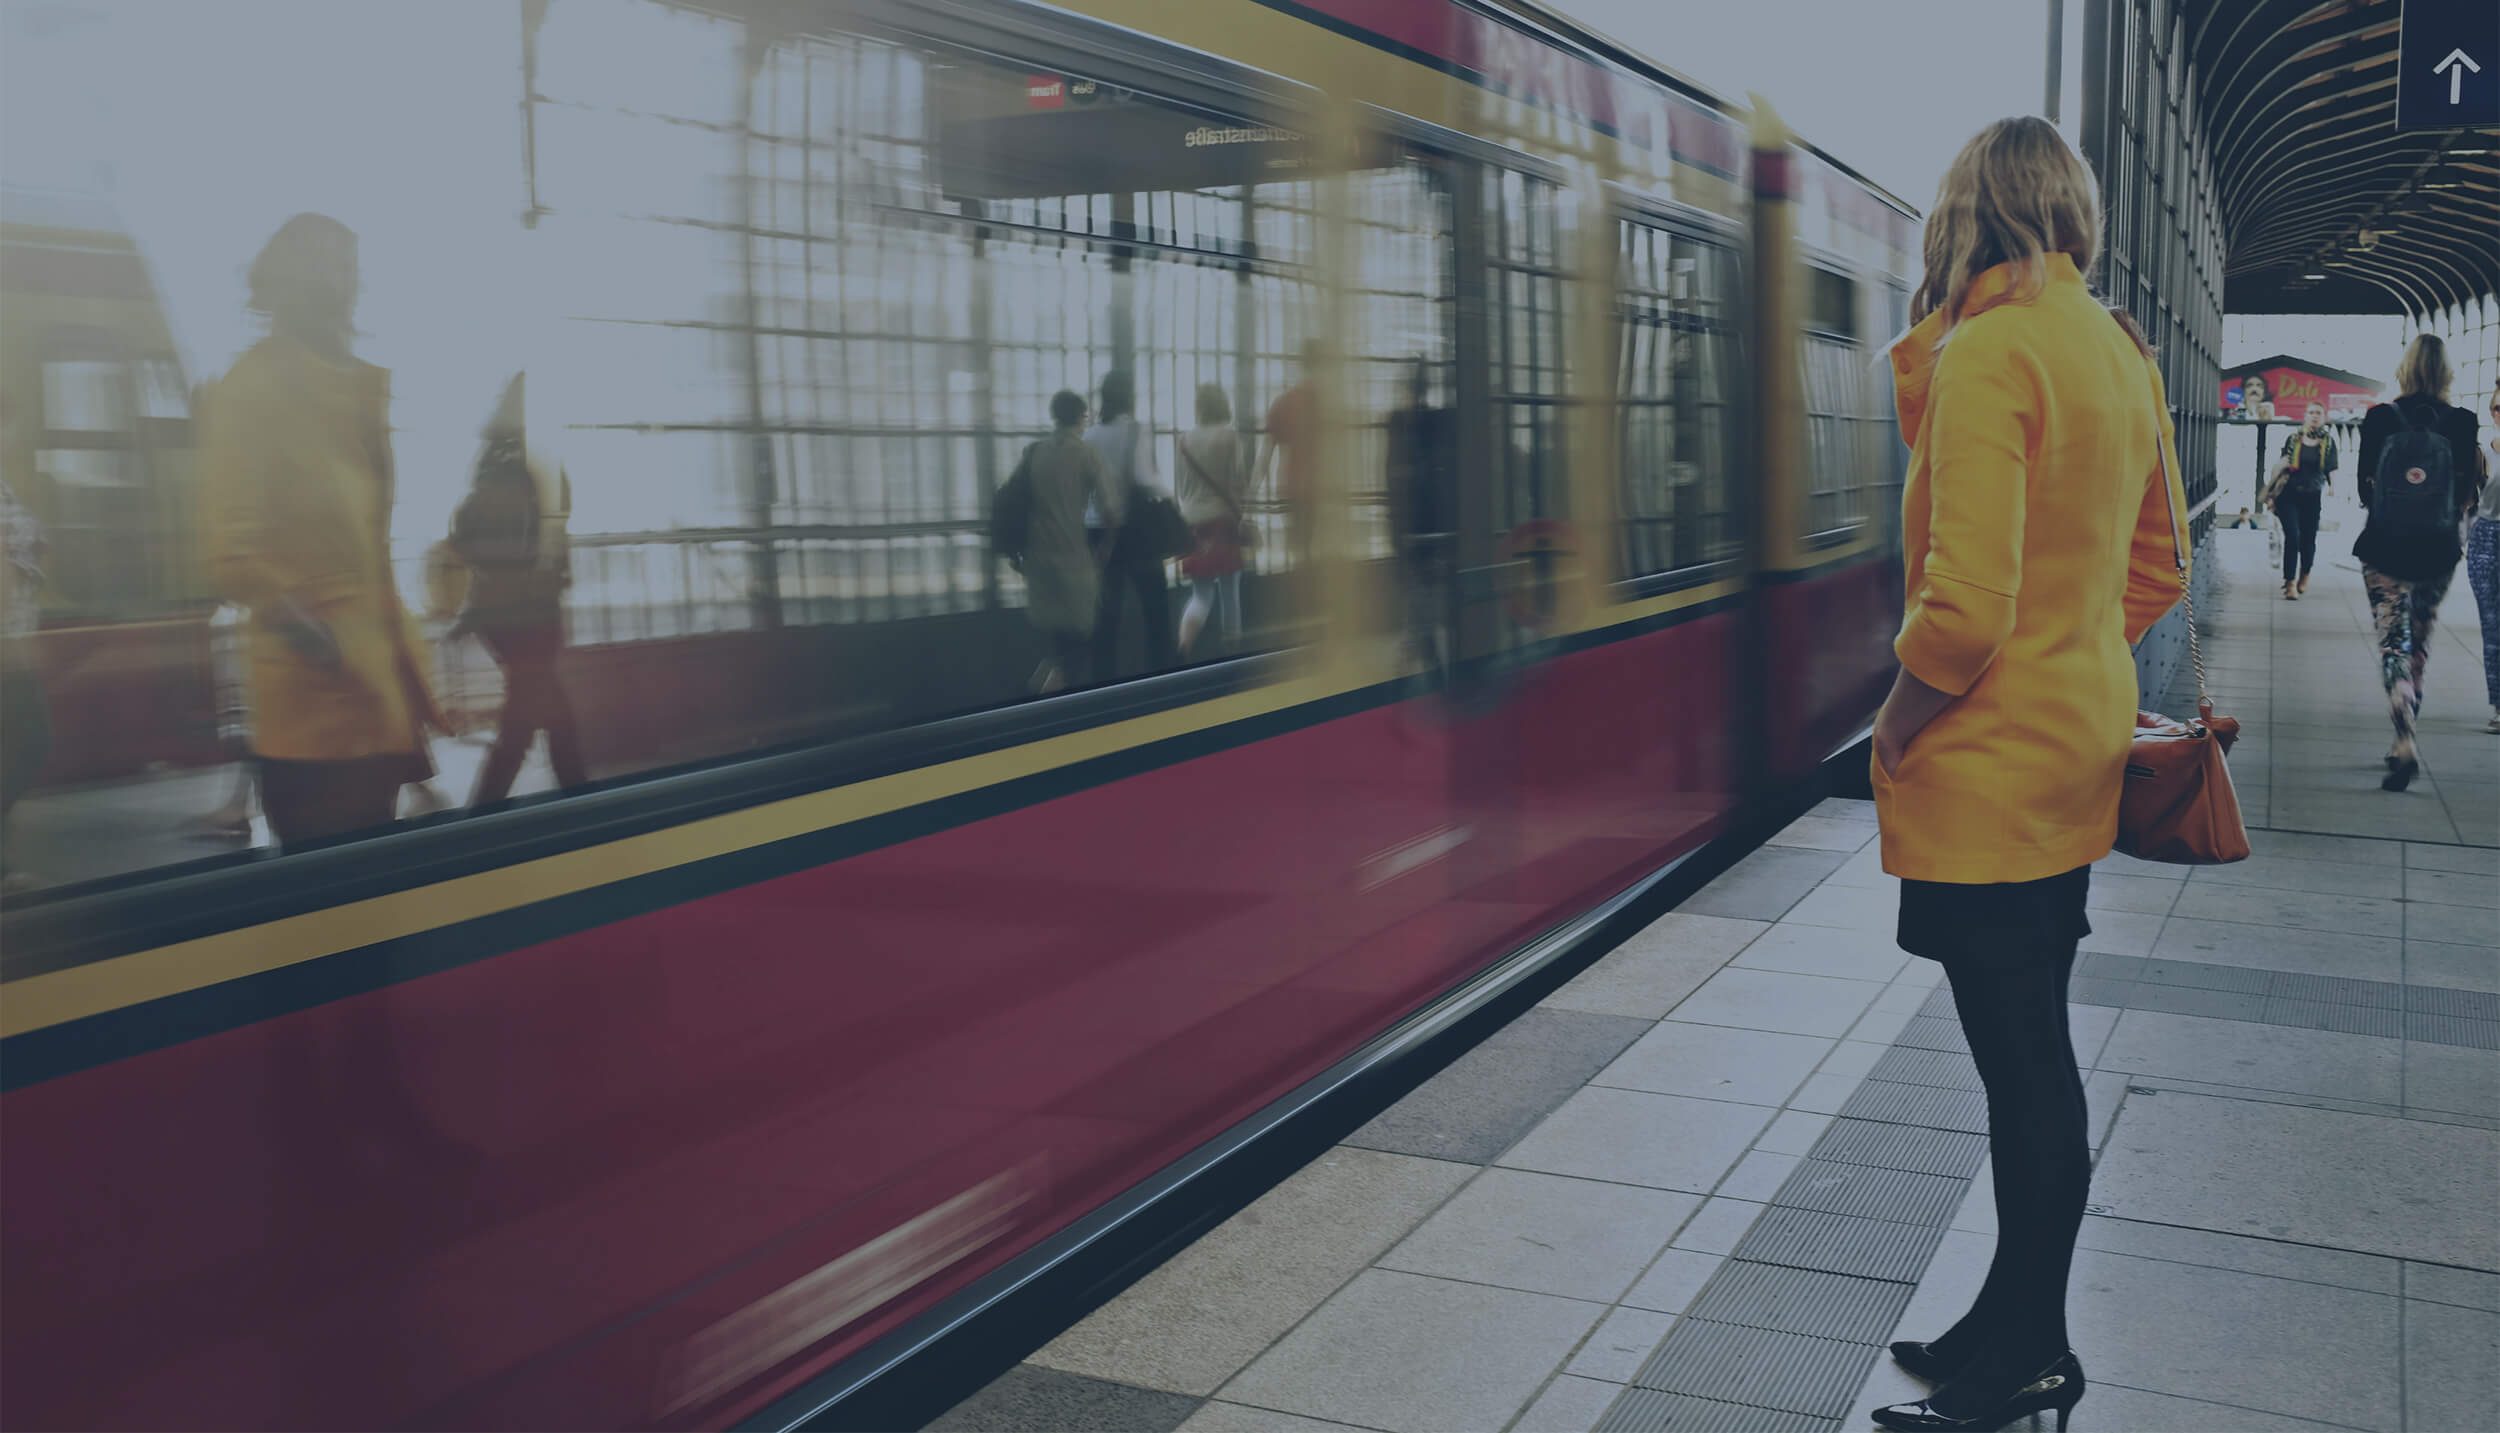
[{"x": 2281, "y": 388}]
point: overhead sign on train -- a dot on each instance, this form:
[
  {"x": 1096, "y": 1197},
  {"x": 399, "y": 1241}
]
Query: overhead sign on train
[{"x": 2448, "y": 66}]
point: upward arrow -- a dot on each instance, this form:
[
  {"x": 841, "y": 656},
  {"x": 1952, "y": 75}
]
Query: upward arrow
[{"x": 2454, "y": 67}]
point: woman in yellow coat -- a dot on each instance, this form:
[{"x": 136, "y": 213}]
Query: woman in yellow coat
[
  {"x": 2037, "y": 527},
  {"x": 296, "y": 500}
]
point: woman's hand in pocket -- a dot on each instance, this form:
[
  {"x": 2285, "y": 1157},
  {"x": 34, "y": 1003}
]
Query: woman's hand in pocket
[{"x": 1906, "y": 713}]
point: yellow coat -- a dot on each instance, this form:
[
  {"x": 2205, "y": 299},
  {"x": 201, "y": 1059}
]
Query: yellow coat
[
  {"x": 295, "y": 499},
  {"x": 2036, "y": 529}
]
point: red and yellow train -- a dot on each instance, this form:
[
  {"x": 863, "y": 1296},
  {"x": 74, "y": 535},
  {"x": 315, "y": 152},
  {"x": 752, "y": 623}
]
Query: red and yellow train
[{"x": 661, "y": 1102}]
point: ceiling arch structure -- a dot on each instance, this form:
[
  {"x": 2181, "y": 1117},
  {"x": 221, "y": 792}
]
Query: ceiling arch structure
[{"x": 2325, "y": 208}]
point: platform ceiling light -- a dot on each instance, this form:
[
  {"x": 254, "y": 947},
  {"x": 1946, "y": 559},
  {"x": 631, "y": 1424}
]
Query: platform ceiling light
[{"x": 2313, "y": 278}]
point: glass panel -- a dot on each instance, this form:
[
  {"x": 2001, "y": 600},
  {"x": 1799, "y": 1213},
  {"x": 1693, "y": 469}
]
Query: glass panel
[{"x": 1676, "y": 362}]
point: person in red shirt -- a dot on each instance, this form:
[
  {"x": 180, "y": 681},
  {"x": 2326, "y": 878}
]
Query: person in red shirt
[{"x": 1293, "y": 432}]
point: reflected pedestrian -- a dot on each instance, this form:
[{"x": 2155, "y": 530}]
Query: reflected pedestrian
[
  {"x": 296, "y": 492},
  {"x": 1212, "y": 486},
  {"x": 1422, "y": 457},
  {"x": 1061, "y": 560},
  {"x": 2420, "y": 475},
  {"x": 1291, "y": 456},
  {"x": 2037, "y": 532},
  {"x": 510, "y": 531},
  {"x": 25, "y": 718},
  {"x": 1133, "y": 552}
]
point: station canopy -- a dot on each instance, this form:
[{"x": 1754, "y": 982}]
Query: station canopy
[{"x": 2326, "y": 206}]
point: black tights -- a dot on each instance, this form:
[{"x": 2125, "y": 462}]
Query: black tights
[{"x": 2014, "y": 1015}]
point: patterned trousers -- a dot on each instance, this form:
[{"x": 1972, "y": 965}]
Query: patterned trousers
[
  {"x": 2482, "y": 572},
  {"x": 2404, "y": 613}
]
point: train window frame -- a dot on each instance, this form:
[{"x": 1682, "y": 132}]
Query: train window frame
[
  {"x": 98, "y": 917},
  {"x": 1840, "y": 351},
  {"x": 1727, "y": 237}
]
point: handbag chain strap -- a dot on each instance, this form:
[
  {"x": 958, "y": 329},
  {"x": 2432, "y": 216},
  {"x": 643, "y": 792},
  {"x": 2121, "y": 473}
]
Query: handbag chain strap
[{"x": 2178, "y": 558}]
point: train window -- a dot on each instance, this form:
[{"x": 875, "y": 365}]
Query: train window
[
  {"x": 1676, "y": 369},
  {"x": 1844, "y": 410},
  {"x": 1523, "y": 282},
  {"x": 781, "y": 315}
]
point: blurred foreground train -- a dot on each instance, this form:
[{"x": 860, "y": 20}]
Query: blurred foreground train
[{"x": 860, "y": 980}]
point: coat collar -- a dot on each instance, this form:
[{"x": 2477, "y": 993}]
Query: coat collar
[{"x": 1914, "y": 353}]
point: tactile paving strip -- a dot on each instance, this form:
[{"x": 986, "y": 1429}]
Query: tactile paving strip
[
  {"x": 2452, "y": 1030},
  {"x": 1956, "y": 1153},
  {"x": 1940, "y": 1005},
  {"x": 1928, "y": 1032},
  {"x": 1763, "y": 1367},
  {"x": 1806, "y": 1301},
  {"x": 1839, "y": 1244},
  {"x": 1650, "y": 1410},
  {"x": 2337, "y": 989},
  {"x": 2202, "y": 975},
  {"x": 1944, "y": 1069},
  {"x": 2470, "y": 1004},
  {"x": 2319, "y": 1015},
  {"x": 1883, "y": 1100},
  {"x": 1895, "y": 1194}
]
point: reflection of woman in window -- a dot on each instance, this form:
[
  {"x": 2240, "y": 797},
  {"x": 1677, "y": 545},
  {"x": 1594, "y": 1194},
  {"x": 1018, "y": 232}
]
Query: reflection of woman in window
[
  {"x": 1211, "y": 484},
  {"x": 295, "y": 478}
]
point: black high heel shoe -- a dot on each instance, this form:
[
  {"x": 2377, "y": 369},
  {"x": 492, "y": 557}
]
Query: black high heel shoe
[
  {"x": 2059, "y": 1386},
  {"x": 1920, "y": 1360},
  {"x": 2400, "y": 775}
]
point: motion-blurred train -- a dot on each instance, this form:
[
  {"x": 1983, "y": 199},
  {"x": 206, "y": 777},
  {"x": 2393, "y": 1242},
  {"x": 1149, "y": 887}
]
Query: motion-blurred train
[{"x": 862, "y": 983}]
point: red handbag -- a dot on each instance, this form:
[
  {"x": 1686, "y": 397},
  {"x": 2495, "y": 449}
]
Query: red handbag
[{"x": 2177, "y": 804}]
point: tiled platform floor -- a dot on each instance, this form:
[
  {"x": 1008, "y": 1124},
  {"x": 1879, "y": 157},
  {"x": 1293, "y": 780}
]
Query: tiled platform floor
[{"x": 1700, "y": 1186}]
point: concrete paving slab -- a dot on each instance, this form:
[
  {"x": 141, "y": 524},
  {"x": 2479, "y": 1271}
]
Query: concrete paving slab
[
  {"x": 2301, "y": 910},
  {"x": 2453, "y": 888},
  {"x": 2277, "y": 1345},
  {"x": 1758, "y": 1176},
  {"x": 1777, "y": 1000},
  {"x": 1517, "y": 1229},
  {"x": 2274, "y": 1258},
  {"x": 1217, "y": 1416},
  {"x": 2451, "y": 1366},
  {"x": 1794, "y": 1132},
  {"x": 1850, "y": 908},
  {"x": 1570, "y": 1404},
  {"x": 1808, "y": 949},
  {"x": 2445, "y": 1284},
  {"x": 2480, "y": 860},
  {"x": 1820, "y": 833},
  {"x": 1721, "y": 1225},
  {"x": 1668, "y": 1286},
  {"x": 1633, "y": 1137},
  {"x": 1210, "y": 1309},
  {"x": 1487, "y": 1098},
  {"x": 1754, "y": 1067},
  {"x": 2122, "y": 933},
  {"x": 2110, "y": 1408},
  {"x": 2366, "y": 957},
  {"x": 1852, "y": 1059},
  {"x": 1648, "y": 974},
  {"x": 2462, "y": 967},
  {"x": 2304, "y": 846},
  {"x": 2287, "y": 873},
  {"x": 2237, "y": 1052},
  {"x": 1416, "y": 1355},
  {"x": 2452, "y": 925},
  {"x": 1764, "y": 884},
  {"x": 2113, "y": 892},
  {"x": 2406, "y": 1188},
  {"x": 1026, "y": 1397},
  {"x": 1621, "y": 1344},
  {"x": 2455, "y": 1078}
]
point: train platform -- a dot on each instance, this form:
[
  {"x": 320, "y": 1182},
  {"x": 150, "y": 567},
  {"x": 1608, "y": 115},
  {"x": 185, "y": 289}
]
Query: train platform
[{"x": 1701, "y": 1185}]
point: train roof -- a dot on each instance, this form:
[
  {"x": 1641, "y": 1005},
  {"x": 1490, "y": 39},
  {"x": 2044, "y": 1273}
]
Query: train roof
[{"x": 1562, "y": 29}]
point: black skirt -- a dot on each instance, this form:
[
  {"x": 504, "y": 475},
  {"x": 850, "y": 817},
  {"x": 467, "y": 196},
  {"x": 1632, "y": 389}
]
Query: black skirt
[{"x": 2015, "y": 921}]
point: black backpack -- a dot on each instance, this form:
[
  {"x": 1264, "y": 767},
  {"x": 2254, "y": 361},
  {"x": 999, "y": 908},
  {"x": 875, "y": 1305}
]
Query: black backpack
[
  {"x": 2415, "y": 489},
  {"x": 1011, "y": 511}
]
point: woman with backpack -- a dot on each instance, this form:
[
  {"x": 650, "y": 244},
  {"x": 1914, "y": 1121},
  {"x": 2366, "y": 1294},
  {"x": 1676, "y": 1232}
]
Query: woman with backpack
[
  {"x": 510, "y": 531},
  {"x": 2419, "y": 476},
  {"x": 2482, "y": 571}
]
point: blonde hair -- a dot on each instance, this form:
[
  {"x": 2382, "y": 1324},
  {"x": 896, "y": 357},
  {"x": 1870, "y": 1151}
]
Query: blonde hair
[
  {"x": 1213, "y": 406},
  {"x": 2424, "y": 368},
  {"x": 2015, "y": 194}
]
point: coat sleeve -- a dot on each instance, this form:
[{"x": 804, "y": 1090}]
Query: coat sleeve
[
  {"x": 1983, "y": 417},
  {"x": 238, "y": 427},
  {"x": 2156, "y": 565}
]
